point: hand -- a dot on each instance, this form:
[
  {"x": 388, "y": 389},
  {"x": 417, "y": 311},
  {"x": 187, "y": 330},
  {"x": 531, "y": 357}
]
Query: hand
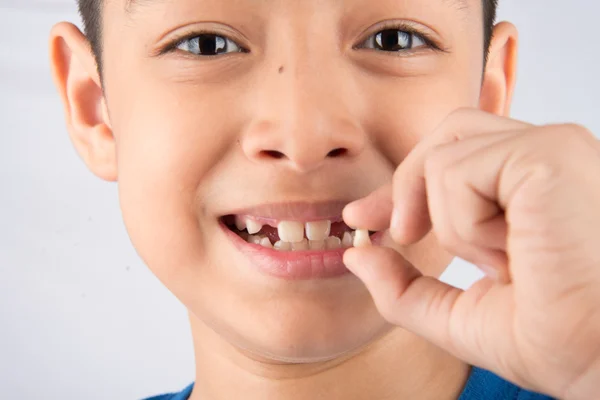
[{"x": 523, "y": 203}]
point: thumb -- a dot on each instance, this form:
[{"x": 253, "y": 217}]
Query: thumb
[{"x": 463, "y": 323}]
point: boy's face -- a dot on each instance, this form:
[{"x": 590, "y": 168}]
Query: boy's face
[{"x": 322, "y": 102}]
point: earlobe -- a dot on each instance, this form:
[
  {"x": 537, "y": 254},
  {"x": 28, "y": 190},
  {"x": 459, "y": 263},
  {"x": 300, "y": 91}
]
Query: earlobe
[
  {"x": 76, "y": 77},
  {"x": 501, "y": 71}
]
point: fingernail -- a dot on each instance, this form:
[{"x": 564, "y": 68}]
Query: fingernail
[
  {"x": 395, "y": 224},
  {"x": 347, "y": 209}
]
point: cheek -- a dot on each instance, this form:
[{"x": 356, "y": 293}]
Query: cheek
[
  {"x": 404, "y": 111},
  {"x": 168, "y": 140}
]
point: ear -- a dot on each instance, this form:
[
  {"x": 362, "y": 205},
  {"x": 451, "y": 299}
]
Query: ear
[
  {"x": 501, "y": 71},
  {"x": 78, "y": 82}
]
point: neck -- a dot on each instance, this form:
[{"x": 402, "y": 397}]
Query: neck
[{"x": 399, "y": 365}]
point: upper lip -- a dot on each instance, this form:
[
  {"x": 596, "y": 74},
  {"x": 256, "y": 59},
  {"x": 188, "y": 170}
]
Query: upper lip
[{"x": 295, "y": 211}]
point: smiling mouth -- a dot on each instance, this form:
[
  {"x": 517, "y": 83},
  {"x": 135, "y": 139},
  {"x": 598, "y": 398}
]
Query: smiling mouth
[{"x": 294, "y": 235}]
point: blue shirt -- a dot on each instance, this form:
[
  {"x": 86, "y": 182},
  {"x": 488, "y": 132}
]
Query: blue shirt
[{"x": 482, "y": 385}]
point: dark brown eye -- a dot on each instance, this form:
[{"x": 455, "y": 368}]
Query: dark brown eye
[
  {"x": 393, "y": 40},
  {"x": 208, "y": 44}
]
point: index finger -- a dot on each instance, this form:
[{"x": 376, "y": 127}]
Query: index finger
[
  {"x": 411, "y": 219},
  {"x": 372, "y": 212}
]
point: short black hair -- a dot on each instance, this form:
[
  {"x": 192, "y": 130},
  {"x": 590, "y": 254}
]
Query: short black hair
[{"x": 91, "y": 14}]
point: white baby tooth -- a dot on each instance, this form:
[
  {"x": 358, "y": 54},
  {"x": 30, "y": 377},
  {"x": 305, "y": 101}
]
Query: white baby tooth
[
  {"x": 333, "y": 243},
  {"x": 253, "y": 226},
  {"x": 347, "y": 240},
  {"x": 291, "y": 231},
  {"x": 361, "y": 238},
  {"x": 265, "y": 242},
  {"x": 316, "y": 244},
  {"x": 299, "y": 246},
  {"x": 254, "y": 239},
  {"x": 240, "y": 223},
  {"x": 318, "y": 230},
  {"x": 283, "y": 246}
]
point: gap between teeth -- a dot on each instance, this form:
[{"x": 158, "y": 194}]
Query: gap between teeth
[{"x": 292, "y": 236}]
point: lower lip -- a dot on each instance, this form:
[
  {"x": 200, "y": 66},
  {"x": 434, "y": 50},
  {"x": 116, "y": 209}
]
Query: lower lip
[{"x": 293, "y": 265}]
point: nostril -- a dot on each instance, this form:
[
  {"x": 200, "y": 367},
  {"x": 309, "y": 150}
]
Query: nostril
[
  {"x": 277, "y": 155},
  {"x": 337, "y": 152}
]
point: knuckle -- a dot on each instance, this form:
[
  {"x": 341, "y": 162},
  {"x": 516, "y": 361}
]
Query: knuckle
[
  {"x": 387, "y": 308},
  {"x": 544, "y": 158},
  {"x": 452, "y": 177},
  {"x": 454, "y": 119},
  {"x": 464, "y": 230},
  {"x": 467, "y": 231},
  {"x": 578, "y": 130},
  {"x": 462, "y": 112},
  {"x": 572, "y": 136},
  {"x": 564, "y": 138},
  {"x": 446, "y": 237},
  {"x": 434, "y": 162},
  {"x": 555, "y": 154},
  {"x": 431, "y": 163}
]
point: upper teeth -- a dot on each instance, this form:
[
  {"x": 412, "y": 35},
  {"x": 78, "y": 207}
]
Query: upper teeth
[
  {"x": 253, "y": 226},
  {"x": 240, "y": 223},
  {"x": 291, "y": 235},
  {"x": 318, "y": 230},
  {"x": 291, "y": 231}
]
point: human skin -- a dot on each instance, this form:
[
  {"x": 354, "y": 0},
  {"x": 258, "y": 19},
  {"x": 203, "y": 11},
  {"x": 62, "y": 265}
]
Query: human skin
[
  {"x": 190, "y": 139},
  {"x": 521, "y": 201}
]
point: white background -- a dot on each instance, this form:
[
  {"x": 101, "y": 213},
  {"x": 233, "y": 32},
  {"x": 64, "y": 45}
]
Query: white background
[{"x": 80, "y": 316}]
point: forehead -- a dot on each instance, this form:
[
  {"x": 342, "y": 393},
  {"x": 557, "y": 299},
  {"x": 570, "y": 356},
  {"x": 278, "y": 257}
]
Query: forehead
[{"x": 131, "y": 6}]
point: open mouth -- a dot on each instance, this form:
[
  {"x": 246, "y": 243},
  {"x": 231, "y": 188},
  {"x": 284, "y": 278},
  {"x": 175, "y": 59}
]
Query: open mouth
[{"x": 330, "y": 234}]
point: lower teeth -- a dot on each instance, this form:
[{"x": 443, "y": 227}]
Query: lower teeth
[
  {"x": 300, "y": 246},
  {"x": 283, "y": 246}
]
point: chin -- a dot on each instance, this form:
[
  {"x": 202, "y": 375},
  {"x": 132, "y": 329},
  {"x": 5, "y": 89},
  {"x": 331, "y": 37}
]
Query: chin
[
  {"x": 324, "y": 344},
  {"x": 297, "y": 328}
]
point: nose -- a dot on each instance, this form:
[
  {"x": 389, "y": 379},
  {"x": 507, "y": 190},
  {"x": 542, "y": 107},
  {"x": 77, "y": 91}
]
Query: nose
[{"x": 303, "y": 118}]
